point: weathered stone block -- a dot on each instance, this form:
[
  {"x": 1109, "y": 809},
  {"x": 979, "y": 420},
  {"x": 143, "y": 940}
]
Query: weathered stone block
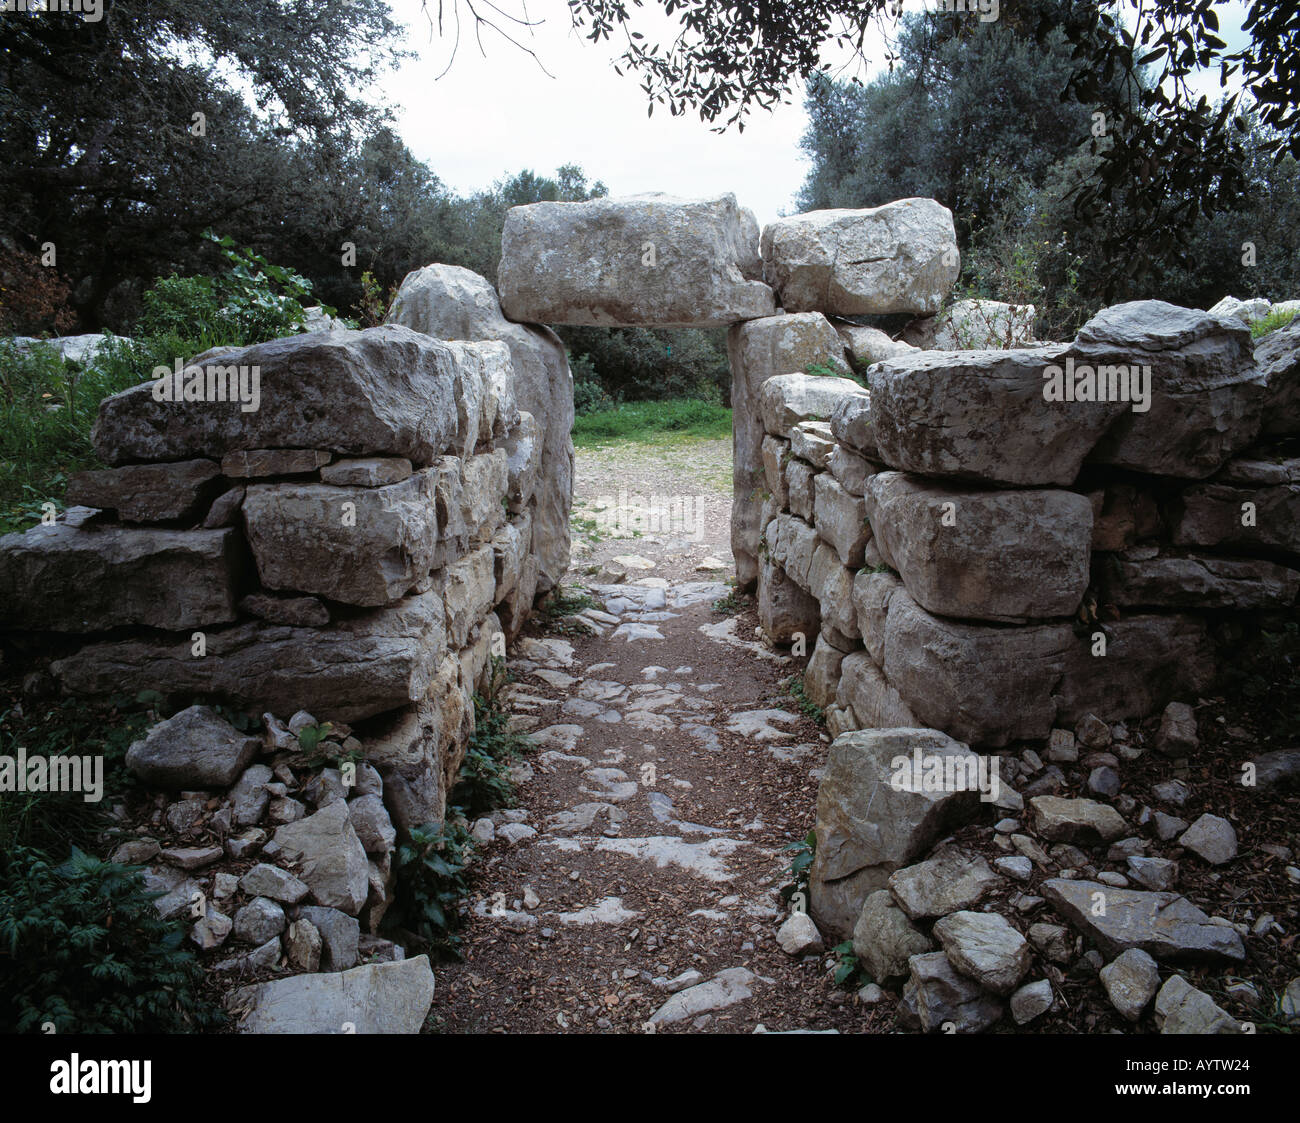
[
  {"x": 63, "y": 578},
  {"x": 356, "y": 668},
  {"x": 385, "y": 391},
  {"x": 147, "y": 493},
  {"x": 651, "y": 260},
  {"x": 987, "y": 555},
  {"x": 360, "y": 545},
  {"x": 901, "y": 257}
]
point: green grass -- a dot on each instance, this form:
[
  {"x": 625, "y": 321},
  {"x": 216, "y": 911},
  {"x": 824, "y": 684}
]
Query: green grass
[
  {"x": 1271, "y": 322},
  {"x": 653, "y": 423}
]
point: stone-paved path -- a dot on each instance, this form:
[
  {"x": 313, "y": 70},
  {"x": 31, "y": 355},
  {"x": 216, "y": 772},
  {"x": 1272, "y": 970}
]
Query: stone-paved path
[{"x": 635, "y": 889}]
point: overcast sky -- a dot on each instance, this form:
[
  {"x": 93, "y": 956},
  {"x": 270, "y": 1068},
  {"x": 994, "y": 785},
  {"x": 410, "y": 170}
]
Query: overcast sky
[{"x": 491, "y": 116}]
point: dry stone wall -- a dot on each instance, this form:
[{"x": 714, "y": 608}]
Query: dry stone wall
[
  {"x": 969, "y": 558},
  {"x": 338, "y": 531},
  {"x": 356, "y": 546}
]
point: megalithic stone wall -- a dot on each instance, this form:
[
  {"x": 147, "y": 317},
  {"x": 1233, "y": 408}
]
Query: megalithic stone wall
[
  {"x": 341, "y": 522},
  {"x": 965, "y": 554},
  {"x": 1011, "y": 562}
]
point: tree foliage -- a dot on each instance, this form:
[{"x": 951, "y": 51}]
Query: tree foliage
[
  {"x": 968, "y": 115},
  {"x": 122, "y": 139}
]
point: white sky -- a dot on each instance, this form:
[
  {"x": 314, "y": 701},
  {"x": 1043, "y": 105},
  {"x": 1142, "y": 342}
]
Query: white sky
[{"x": 490, "y": 117}]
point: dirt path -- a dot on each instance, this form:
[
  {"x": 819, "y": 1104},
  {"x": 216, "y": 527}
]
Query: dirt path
[
  {"x": 635, "y": 889},
  {"x": 670, "y": 504}
]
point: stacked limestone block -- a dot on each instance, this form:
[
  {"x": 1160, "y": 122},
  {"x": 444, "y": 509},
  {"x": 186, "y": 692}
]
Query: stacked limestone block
[
  {"x": 449, "y": 302},
  {"x": 984, "y": 561},
  {"x": 901, "y": 257},
  {"x": 354, "y": 547},
  {"x": 276, "y": 862}
]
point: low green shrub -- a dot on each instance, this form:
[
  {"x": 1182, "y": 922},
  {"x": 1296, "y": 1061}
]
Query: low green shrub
[
  {"x": 87, "y": 952},
  {"x": 484, "y": 783},
  {"x": 1270, "y": 323},
  {"x": 431, "y": 883}
]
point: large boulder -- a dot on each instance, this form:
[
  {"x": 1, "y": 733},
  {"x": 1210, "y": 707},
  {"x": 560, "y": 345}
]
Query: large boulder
[
  {"x": 449, "y": 302},
  {"x": 1206, "y": 395},
  {"x": 359, "y": 545},
  {"x": 376, "y": 661},
  {"x": 989, "y": 685},
  {"x": 986, "y": 555},
  {"x": 651, "y": 260},
  {"x": 875, "y": 814},
  {"x": 821, "y": 676},
  {"x": 901, "y": 257},
  {"x": 982, "y": 415},
  {"x": 757, "y": 350},
  {"x": 485, "y": 393},
  {"x": 469, "y": 592},
  {"x": 69, "y": 578},
  {"x": 384, "y": 391},
  {"x": 377, "y": 998},
  {"x": 510, "y": 547}
]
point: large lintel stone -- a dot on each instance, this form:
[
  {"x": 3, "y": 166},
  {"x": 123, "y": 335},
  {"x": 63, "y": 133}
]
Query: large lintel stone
[{"x": 648, "y": 260}]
